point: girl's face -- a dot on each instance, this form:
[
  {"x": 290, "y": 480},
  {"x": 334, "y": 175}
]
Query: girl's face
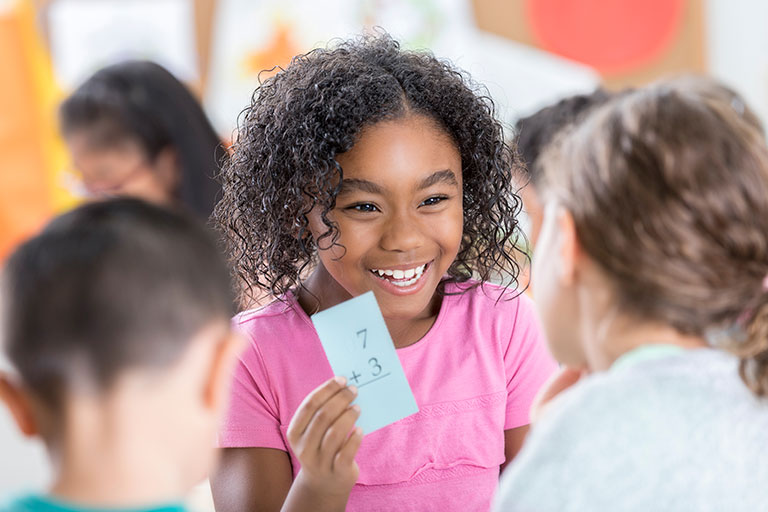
[
  {"x": 533, "y": 209},
  {"x": 123, "y": 170},
  {"x": 555, "y": 282},
  {"x": 399, "y": 215}
]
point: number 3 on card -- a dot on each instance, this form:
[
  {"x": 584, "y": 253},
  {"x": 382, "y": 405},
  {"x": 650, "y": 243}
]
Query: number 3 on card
[{"x": 358, "y": 346}]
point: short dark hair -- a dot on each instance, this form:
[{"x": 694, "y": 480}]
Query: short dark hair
[
  {"x": 144, "y": 102},
  {"x": 107, "y": 287},
  {"x": 539, "y": 129}
]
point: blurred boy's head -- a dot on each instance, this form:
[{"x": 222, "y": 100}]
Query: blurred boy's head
[
  {"x": 119, "y": 308},
  {"x": 535, "y": 132}
]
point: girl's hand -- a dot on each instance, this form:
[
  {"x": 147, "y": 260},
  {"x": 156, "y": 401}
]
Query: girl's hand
[
  {"x": 561, "y": 380},
  {"x": 324, "y": 438}
]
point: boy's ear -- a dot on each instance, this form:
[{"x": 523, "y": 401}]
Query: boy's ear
[
  {"x": 220, "y": 373},
  {"x": 18, "y": 402}
]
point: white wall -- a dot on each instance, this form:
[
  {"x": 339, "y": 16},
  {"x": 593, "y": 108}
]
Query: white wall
[
  {"x": 23, "y": 463},
  {"x": 738, "y": 48}
]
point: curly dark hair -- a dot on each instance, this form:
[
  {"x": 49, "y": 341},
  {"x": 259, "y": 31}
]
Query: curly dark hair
[{"x": 283, "y": 162}]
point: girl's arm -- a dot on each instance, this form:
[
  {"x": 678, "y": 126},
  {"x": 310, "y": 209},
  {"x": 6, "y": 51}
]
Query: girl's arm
[
  {"x": 254, "y": 479},
  {"x": 561, "y": 380},
  {"x": 513, "y": 441},
  {"x": 322, "y": 437}
]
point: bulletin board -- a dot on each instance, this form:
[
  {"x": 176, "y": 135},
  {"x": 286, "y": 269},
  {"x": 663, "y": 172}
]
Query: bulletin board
[
  {"x": 203, "y": 14},
  {"x": 629, "y": 42}
]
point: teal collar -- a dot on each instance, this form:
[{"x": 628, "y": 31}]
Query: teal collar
[
  {"x": 646, "y": 353},
  {"x": 40, "y": 503}
]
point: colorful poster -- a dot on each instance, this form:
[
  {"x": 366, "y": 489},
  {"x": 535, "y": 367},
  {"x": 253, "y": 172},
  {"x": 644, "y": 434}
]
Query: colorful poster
[{"x": 250, "y": 36}]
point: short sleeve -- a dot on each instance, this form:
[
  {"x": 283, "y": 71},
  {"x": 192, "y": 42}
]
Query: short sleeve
[
  {"x": 252, "y": 418},
  {"x": 527, "y": 362}
]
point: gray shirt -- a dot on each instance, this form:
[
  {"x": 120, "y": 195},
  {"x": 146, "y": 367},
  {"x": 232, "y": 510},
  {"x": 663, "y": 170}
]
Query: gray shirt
[{"x": 674, "y": 432}]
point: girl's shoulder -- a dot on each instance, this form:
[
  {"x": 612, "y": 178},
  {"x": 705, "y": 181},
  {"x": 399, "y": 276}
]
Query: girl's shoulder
[
  {"x": 283, "y": 317},
  {"x": 487, "y": 300},
  {"x": 276, "y": 307}
]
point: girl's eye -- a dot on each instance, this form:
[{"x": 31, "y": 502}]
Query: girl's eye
[
  {"x": 363, "y": 207},
  {"x": 433, "y": 200}
]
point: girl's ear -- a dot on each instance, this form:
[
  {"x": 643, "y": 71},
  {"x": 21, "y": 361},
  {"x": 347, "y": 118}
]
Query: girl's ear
[
  {"x": 570, "y": 251},
  {"x": 220, "y": 372},
  {"x": 166, "y": 167},
  {"x": 19, "y": 404}
]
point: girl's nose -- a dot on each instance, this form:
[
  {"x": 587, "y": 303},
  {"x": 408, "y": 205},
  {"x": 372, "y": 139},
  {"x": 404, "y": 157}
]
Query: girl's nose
[{"x": 401, "y": 234}]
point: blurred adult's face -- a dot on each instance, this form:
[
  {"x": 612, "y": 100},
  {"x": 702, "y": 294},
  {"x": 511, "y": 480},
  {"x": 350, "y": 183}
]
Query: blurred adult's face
[{"x": 123, "y": 169}]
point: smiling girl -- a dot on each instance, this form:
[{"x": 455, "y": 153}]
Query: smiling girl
[{"x": 367, "y": 168}]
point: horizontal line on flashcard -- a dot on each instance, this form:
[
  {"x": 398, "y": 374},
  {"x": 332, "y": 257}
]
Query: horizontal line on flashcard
[{"x": 374, "y": 380}]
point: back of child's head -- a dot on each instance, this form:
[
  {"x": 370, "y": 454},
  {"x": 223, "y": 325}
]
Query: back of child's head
[
  {"x": 535, "y": 131},
  {"x": 284, "y": 161},
  {"x": 142, "y": 102},
  {"x": 107, "y": 288},
  {"x": 669, "y": 196},
  {"x": 718, "y": 95}
]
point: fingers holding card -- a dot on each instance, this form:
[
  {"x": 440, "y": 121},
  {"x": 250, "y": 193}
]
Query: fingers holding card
[{"x": 358, "y": 346}]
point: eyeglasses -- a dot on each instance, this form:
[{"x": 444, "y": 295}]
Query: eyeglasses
[{"x": 104, "y": 181}]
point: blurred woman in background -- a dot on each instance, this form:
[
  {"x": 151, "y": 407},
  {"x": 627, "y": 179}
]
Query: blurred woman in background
[{"x": 134, "y": 130}]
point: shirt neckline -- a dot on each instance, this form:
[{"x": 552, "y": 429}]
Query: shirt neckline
[
  {"x": 648, "y": 352},
  {"x": 450, "y": 288},
  {"x": 52, "y": 504}
]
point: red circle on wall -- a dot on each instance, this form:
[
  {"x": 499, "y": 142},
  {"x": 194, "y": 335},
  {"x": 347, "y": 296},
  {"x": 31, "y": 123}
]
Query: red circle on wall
[{"x": 612, "y": 36}]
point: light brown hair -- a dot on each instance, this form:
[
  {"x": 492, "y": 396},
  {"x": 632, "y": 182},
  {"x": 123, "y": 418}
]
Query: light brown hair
[{"x": 669, "y": 195}]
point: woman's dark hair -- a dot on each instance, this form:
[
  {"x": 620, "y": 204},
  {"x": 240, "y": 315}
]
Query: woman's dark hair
[
  {"x": 284, "y": 159},
  {"x": 143, "y": 102},
  {"x": 110, "y": 286},
  {"x": 668, "y": 188}
]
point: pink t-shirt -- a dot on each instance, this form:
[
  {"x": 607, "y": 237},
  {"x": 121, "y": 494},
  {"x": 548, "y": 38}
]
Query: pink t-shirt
[{"x": 474, "y": 375}]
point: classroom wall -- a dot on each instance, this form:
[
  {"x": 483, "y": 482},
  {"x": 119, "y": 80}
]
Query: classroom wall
[
  {"x": 23, "y": 464},
  {"x": 737, "y": 39}
]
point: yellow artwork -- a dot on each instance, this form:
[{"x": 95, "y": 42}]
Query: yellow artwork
[
  {"x": 32, "y": 156},
  {"x": 277, "y": 53}
]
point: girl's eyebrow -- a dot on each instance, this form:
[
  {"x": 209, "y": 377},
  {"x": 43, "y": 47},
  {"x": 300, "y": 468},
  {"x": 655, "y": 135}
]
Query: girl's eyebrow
[
  {"x": 348, "y": 185},
  {"x": 445, "y": 176}
]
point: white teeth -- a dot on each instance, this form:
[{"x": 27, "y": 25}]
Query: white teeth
[{"x": 402, "y": 277}]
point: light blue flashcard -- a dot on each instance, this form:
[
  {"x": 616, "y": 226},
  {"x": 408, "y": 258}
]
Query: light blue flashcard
[{"x": 358, "y": 346}]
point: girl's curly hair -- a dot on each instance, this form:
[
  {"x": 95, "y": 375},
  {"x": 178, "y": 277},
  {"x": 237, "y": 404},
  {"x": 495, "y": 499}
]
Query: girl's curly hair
[{"x": 284, "y": 159}]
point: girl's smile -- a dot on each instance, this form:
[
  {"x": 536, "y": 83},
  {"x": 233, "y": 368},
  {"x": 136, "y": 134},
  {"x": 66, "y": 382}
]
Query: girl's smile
[
  {"x": 405, "y": 281},
  {"x": 400, "y": 219}
]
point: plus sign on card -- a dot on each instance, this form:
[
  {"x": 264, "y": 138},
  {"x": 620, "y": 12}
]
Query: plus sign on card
[{"x": 358, "y": 346}]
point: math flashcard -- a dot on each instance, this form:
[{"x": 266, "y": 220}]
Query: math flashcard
[{"x": 358, "y": 346}]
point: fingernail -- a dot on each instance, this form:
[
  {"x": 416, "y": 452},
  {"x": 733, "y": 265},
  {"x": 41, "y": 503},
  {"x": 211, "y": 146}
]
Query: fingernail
[
  {"x": 340, "y": 379},
  {"x": 359, "y": 431},
  {"x": 353, "y": 389},
  {"x": 356, "y": 408}
]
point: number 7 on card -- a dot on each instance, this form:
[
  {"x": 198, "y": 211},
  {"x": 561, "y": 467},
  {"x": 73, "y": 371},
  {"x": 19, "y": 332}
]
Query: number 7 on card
[{"x": 358, "y": 346}]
